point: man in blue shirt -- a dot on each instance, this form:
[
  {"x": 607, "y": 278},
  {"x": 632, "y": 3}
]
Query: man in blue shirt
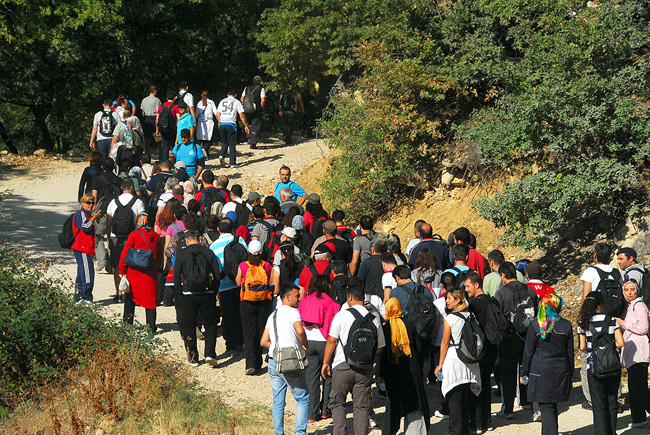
[
  {"x": 299, "y": 194},
  {"x": 188, "y": 152},
  {"x": 186, "y": 121}
]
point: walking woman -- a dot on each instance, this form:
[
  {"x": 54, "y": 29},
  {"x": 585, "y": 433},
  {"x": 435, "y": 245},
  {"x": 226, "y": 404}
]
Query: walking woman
[
  {"x": 427, "y": 272},
  {"x": 206, "y": 110},
  {"x": 143, "y": 280},
  {"x": 548, "y": 361},
  {"x": 399, "y": 367},
  {"x": 317, "y": 310},
  {"x": 94, "y": 169},
  {"x": 83, "y": 230},
  {"x": 603, "y": 391},
  {"x": 459, "y": 379},
  {"x": 636, "y": 352}
]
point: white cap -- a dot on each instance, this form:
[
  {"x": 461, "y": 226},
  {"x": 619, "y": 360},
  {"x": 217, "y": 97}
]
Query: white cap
[{"x": 255, "y": 247}]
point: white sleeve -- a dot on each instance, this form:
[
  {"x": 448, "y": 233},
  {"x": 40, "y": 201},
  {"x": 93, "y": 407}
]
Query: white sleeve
[
  {"x": 139, "y": 207},
  {"x": 263, "y": 93},
  {"x": 381, "y": 340},
  {"x": 189, "y": 99},
  {"x": 239, "y": 108},
  {"x": 111, "y": 208},
  {"x": 335, "y": 327},
  {"x": 588, "y": 275},
  {"x": 97, "y": 118},
  {"x": 243, "y": 92}
]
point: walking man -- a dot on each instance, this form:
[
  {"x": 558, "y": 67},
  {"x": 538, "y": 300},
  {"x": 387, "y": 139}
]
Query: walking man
[
  {"x": 104, "y": 123},
  {"x": 227, "y": 111},
  {"x": 255, "y": 117},
  {"x": 149, "y": 107}
]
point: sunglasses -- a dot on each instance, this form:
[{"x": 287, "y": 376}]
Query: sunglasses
[{"x": 89, "y": 202}]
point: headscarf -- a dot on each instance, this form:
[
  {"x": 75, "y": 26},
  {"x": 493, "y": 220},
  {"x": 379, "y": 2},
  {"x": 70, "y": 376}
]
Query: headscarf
[
  {"x": 400, "y": 344},
  {"x": 549, "y": 313},
  {"x": 142, "y": 221},
  {"x": 298, "y": 222}
]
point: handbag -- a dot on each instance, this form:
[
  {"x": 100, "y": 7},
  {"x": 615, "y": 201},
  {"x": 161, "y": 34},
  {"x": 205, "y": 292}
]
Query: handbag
[
  {"x": 139, "y": 257},
  {"x": 288, "y": 359}
]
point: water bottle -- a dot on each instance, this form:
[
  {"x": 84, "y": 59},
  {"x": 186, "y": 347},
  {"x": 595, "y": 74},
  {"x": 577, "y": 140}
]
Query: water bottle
[
  {"x": 525, "y": 379},
  {"x": 439, "y": 377}
]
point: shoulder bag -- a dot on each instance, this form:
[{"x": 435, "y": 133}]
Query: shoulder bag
[{"x": 288, "y": 359}]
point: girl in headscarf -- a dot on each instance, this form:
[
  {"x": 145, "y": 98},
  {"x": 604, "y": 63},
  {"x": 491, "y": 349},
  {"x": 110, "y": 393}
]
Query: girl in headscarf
[
  {"x": 548, "y": 361},
  {"x": 399, "y": 368},
  {"x": 635, "y": 356}
]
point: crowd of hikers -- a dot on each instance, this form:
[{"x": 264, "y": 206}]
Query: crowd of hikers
[{"x": 335, "y": 309}]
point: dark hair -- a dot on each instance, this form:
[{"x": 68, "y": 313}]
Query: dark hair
[
  {"x": 338, "y": 215},
  {"x": 285, "y": 167},
  {"x": 389, "y": 258},
  {"x": 462, "y": 234},
  {"x": 123, "y": 166},
  {"x": 258, "y": 211},
  {"x": 96, "y": 158},
  {"x": 286, "y": 289},
  {"x": 271, "y": 206},
  {"x": 316, "y": 210},
  {"x": 418, "y": 224},
  {"x": 402, "y": 272},
  {"x": 166, "y": 164},
  {"x": 448, "y": 280},
  {"x": 355, "y": 289},
  {"x": 108, "y": 165},
  {"x": 366, "y": 222},
  {"x": 182, "y": 84},
  {"x": 170, "y": 95},
  {"x": 603, "y": 252},
  {"x": 474, "y": 278},
  {"x": 289, "y": 259},
  {"x": 193, "y": 206},
  {"x": 288, "y": 218},
  {"x": 231, "y": 91},
  {"x": 380, "y": 245},
  {"x": 107, "y": 102},
  {"x": 497, "y": 257},
  {"x": 237, "y": 190},
  {"x": 472, "y": 241},
  {"x": 126, "y": 184},
  {"x": 208, "y": 177},
  {"x": 225, "y": 226},
  {"x": 339, "y": 266},
  {"x": 179, "y": 210},
  {"x": 426, "y": 260},
  {"x": 212, "y": 222},
  {"x": 255, "y": 260},
  {"x": 509, "y": 270},
  {"x": 461, "y": 252},
  {"x": 320, "y": 284},
  {"x": 589, "y": 308},
  {"x": 192, "y": 222},
  {"x": 145, "y": 158}
]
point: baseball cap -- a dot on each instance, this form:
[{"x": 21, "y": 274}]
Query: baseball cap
[
  {"x": 252, "y": 196},
  {"x": 313, "y": 198},
  {"x": 257, "y": 79},
  {"x": 289, "y": 232},
  {"x": 322, "y": 249},
  {"x": 329, "y": 227},
  {"x": 255, "y": 247},
  {"x": 185, "y": 132},
  {"x": 232, "y": 216},
  {"x": 180, "y": 165}
]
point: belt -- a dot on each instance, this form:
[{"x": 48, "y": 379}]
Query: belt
[{"x": 154, "y": 114}]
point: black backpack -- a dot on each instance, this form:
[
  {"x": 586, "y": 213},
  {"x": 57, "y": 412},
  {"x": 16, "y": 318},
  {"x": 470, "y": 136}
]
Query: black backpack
[
  {"x": 107, "y": 123},
  {"x": 157, "y": 191},
  {"x": 361, "y": 346},
  {"x": 471, "y": 347},
  {"x": 123, "y": 222},
  {"x": 606, "y": 360},
  {"x": 286, "y": 101},
  {"x": 67, "y": 236},
  {"x": 287, "y": 277},
  {"x": 112, "y": 192},
  {"x": 644, "y": 289},
  {"x": 460, "y": 277},
  {"x": 524, "y": 311},
  {"x": 250, "y": 100},
  {"x": 317, "y": 227},
  {"x": 234, "y": 254},
  {"x": 196, "y": 272},
  {"x": 314, "y": 273},
  {"x": 346, "y": 234},
  {"x": 612, "y": 292},
  {"x": 166, "y": 123},
  {"x": 243, "y": 214},
  {"x": 339, "y": 289},
  {"x": 421, "y": 311},
  {"x": 496, "y": 326},
  {"x": 209, "y": 197},
  {"x": 271, "y": 240}
]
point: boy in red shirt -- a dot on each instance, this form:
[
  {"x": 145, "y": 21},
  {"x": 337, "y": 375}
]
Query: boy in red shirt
[{"x": 534, "y": 275}]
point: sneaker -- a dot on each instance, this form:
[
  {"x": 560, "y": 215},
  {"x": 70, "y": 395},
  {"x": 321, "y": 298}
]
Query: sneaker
[
  {"x": 537, "y": 416},
  {"x": 476, "y": 431},
  {"x": 233, "y": 166},
  {"x": 311, "y": 421},
  {"x": 372, "y": 422},
  {"x": 212, "y": 362},
  {"x": 640, "y": 424},
  {"x": 506, "y": 415},
  {"x": 326, "y": 414},
  {"x": 192, "y": 363},
  {"x": 488, "y": 429},
  {"x": 199, "y": 334},
  {"x": 250, "y": 371},
  {"x": 222, "y": 161},
  {"x": 439, "y": 414}
]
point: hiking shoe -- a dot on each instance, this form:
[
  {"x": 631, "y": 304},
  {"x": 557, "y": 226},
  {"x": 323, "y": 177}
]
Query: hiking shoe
[
  {"x": 249, "y": 372},
  {"x": 439, "y": 414},
  {"x": 476, "y": 431},
  {"x": 212, "y": 362},
  {"x": 233, "y": 166},
  {"x": 372, "y": 422},
  {"x": 537, "y": 416},
  {"x": 641, "y": 424},
  {"x": 192, "y": 363},
  {"x": 199, "y": 334},
  {"x": 326, "y": 414},
  {"x": 506, "y": 415},
  {"x": 222, "y": 161}
]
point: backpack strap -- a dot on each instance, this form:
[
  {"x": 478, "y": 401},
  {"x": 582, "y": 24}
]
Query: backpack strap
[
  {"x": 451, "y": 337},
  {"x": 357, "y": 315},
  {"x": 603, "y": 331},
  {"x": 275, "y": 328},
  {"x": 313, "y": 270},
  {"x": 145, "y": 240}
]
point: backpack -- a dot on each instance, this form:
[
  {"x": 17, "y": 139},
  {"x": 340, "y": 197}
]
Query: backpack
[
  {"x": 196, "y": 273},
  {"x": 361, "y": 346},
  {"x": 250, "y": 105},
  {"x": 460, "y": 277},
  {"x": 67, "y": 235},
  {"x": 471, "y": 347},
  {"x": 524, "y": 311},
  {"x": 234, "y": 254},
  {"x": 339, "y": 289},
  {"x": 365, "y": 254},
  {"x": 314, "y": 273},
  {"x": 256, "y": 285},
  {"x": 644, "y": 289},
  {"x": 612, "y": 292},
  {"x": 209, "y": 197},
  {"x": 287, "y": 277},
  {"x": 112, "y": 192},
  {"x": 243, "y": 214},
  {"x": 107, "y": 123},
  {"x": 272, "y": 243},
  {"x": 286, "y": 101},
  {"x": 123, "y": 223},
  {"x": 605, "y": 359},
  {"x": 166, "y": 124},
  {"x": 420, "y": 311},
  {"x": 317, "y": 227},
  {"x": 346, "y": 235},
  {"x": 158, "y": 190},
  {"x": 496, "y": 327}
]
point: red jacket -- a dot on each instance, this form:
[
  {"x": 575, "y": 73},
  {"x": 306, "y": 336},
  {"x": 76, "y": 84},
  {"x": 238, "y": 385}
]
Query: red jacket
[
  {"x": 541, "y": 289},
  {"x": 476, "y": 261},
  {"x": 84, "y": 240}
]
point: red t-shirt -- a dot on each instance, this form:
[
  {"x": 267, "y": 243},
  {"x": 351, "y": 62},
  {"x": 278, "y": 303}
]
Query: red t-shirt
[
  {"x": 306, "y": 276},
  {"x": 541, "y": 289},
  {"x": 476, "y": 261},
  {"x": 175, "y": 110}
]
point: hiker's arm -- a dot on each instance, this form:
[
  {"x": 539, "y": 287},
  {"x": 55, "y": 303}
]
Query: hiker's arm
[
  {"x": 436, "y": 327},
  {"x": 265, "y": 341},
  {"x": 354, "y": 264},
  {"x": 302, "y": 199},
  {"x": 238, "y": 277},
  {"x": 192, "y": 129},
  {"x": 95, "y": 195},
  {"x": 275, "y": 280},
  {"x": 329, "y": 351},
  {"x": 263, "y": 102},
  {"x": 302, "y": 336},
  {"x": 582, "y": 342},
  {"x": 193, "y": 113},
  {"x": 387, "y": 291},
  {"x": 444, "y": 347},
  {"x": 93, "y": 135},
  {"x": 586, "y": 289},
  {"x": 618, "y": 335},
  {"x": 199, "y": 167},
  {"x": 157, "y": 131},
  {"x": 113, "y": 141},
  {"x": 242, "y": 116}
]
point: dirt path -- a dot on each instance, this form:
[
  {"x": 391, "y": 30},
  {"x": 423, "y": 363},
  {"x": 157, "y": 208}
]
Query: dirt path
[{"x": 41, "y": 195}]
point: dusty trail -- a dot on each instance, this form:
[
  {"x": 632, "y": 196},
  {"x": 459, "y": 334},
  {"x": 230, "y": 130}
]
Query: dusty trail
[{"x": 41, "y": 193}]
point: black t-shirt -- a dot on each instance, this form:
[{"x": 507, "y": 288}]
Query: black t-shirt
[
  {"x": 101, "y": 181},
  {"x": 341, "y": 247},
  {"x": 478, "y": 306},
  {"x": 370, "y": 272}
]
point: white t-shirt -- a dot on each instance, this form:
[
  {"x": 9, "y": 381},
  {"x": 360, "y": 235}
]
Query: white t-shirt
[
  {"x": 164, "y": 197},
  {"x": 591, "y": 275},
  {"x": 314, "y": 334},
  {"x": 262, "y": 93},
  {"x": 137, "y": 207},
  {"x": 387, "y": 280},
  {"x": 229, "y": 108},
  {"x": 374, "y": 300},
  {"x": 277, "y": 257},
  {"x": 188, "y": 98},
  {"x": 440, "y": 305},
  {"x": 205, "y": 113},
  {"x": 97, "y": 119},
  {"x": 340, "y": 329},
  {"x": 231, "y": 206},
  {"x": 287, "y": 335}
]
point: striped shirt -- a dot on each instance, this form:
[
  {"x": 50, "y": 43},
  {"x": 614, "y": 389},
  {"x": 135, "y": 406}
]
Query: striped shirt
[
  {"x": 218, "y": 247},
  {"x": 598, "y": 320}
]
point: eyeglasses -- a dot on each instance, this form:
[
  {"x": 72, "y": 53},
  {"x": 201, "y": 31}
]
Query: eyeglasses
[{"x": 89, "y": 202}]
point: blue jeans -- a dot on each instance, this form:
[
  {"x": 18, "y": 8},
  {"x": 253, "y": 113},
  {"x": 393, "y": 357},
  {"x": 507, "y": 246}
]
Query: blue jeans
[
  {"x": 298, "y": 385},
  {"x": 104, "y": 146}
]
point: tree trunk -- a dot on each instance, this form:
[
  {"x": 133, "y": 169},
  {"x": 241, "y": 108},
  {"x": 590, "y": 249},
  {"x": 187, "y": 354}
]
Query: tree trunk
[
  {"x": 42, "y": 137},
  {"x": 7, "y": 140}
]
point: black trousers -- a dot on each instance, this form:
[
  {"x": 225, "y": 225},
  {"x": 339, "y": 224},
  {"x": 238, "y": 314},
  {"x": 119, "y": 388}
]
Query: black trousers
[
  {"x": 149, "y": 128},
  {"x": 603, "y": 402},
  {"x": 254, "y": 125},
  {"x": 317, "y": 402},
  {"x": 228, "y": 140},
  {"x": 511, "y": 354},
  {"x": 231, "y": 319},
  {"x": 637, "y": 383},
  {"x": 166, "y": 144},
  {"x": 480, "y": 408},
  {"x": 190, "y": 307},
  {"x": 458, "y": 399},
  {"x": 129, "y": 312},
  {"x": 549, "y": 418},
  {"x": 253, "y": 321},
  {"x": 288, "y": 116},
  {"x": 115, "y": 247}
]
